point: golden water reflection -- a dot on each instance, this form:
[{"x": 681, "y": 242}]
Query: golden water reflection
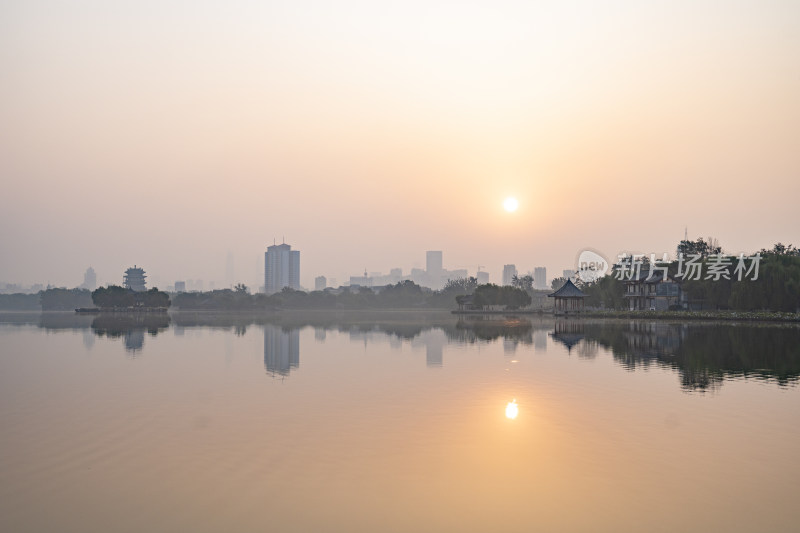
[
  {"x": 368, "y": 435},
  {"x": 512, "y": 409}
]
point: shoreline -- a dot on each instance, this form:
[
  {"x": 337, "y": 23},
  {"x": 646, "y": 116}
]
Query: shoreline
[{"x": 738, "y": 316}]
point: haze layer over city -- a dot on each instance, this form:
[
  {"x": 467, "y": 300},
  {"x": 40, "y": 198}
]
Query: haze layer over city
[{"x": 187, "y": 139}]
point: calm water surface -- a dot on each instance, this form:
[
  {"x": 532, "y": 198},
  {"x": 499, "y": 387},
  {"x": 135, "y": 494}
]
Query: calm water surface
[{"x": 396, "y": 423}]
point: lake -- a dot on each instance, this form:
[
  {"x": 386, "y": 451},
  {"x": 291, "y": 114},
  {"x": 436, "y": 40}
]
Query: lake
[{"x": 396, "y": 422}]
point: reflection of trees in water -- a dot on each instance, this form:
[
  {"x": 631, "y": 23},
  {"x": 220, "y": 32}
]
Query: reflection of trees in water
[
  {"x": 703, "y": 354},
  {"x": 130, "y": 326},
  {"x": 512, "y": 330}
]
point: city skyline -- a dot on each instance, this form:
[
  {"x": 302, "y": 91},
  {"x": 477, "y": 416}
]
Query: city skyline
[{"x": 257, "y": 283}]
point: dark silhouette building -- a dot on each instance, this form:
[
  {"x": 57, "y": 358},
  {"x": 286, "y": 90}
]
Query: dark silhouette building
[{"x": 135, "y": 279}]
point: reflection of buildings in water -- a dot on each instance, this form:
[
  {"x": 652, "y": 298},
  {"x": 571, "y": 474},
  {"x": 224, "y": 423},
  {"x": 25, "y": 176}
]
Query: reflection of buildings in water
[
  {"x": 395, "y": 342},
  {"x": 588, "y": 349},
  {"x": 509, "y": 345},
  {"x": 646, "y": 342},
  {"x": 281, "y": 350},
  {"x": 362, "y": 336},
  {"x": 652, "y": 339},
  {"x": 134, "y": 340},
  {"x": 434, "y": 341},
  {"x": 179, "y": 331},
  {"x": 434, "y": 354},
  {"x": 320, "y": 334},
  {"x": 88, "y": 339},
  {"x": 540, "y": 340},
  {"x": 568, "y": 332}
]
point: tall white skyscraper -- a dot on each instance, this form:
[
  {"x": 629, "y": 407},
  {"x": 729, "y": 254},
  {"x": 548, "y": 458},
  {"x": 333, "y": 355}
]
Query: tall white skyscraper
[
  {"x": 509, "y": 271},
  {"x": 281, "y": 268},
  {"x": 433, "y": 262},
  {"x": 540, "y": 278},
  {"x": 433, "y": 268}
]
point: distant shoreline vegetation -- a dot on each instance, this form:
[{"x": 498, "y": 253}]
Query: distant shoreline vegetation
[
  {"x": 402, "y": 295},
  {"x": 775, "y": 291},
  {"x": 115, "y": 297},
  {"x": 112, "y": 297}
]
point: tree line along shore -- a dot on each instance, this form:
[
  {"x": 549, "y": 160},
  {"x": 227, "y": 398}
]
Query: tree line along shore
[{"x": 775, "y": 293}]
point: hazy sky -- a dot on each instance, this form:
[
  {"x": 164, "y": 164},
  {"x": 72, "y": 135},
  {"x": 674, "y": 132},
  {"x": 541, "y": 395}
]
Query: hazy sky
[{"x": 168, "y": 134}]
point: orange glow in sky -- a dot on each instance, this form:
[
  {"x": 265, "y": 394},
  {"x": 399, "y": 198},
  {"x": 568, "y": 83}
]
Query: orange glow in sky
[{"x": 367, "y": 133}]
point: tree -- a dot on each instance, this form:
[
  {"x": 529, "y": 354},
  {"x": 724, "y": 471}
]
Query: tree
[
  {"x": 606, "y": 292},
  {"x": 460, "y": 285},
  {"x": 781, "y": 249},
  {"x": 514, "y": 297},
  {"x": 491, "y": 294},
  {"x": 522, "y": 282},
  {"x": 113, "y": 296},
  {"x": 402, "y": 294},
  {"x": 64, "y": 299},
  {"x": 120, "y": 297},
  {"x": 153, "y": 298},
  {"x": 557, "y": 283},
  {"x": 700, "y": 247},
  {"x": 241, "y": 288}
]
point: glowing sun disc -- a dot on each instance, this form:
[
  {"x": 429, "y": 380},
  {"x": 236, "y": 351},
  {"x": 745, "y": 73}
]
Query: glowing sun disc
[
  {"x": 510, "y": 204},
  {"x": 512, "y": 409}
]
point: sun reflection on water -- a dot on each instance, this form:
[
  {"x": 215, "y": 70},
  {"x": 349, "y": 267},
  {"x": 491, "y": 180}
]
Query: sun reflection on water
[{"x": 512, "y": 409}]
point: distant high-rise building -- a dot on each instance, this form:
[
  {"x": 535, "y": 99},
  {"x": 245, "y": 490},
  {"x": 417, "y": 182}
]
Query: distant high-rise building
[
  {"x": 433, "y": 262},
  {"x": 135, "y": 279},
  {"x": 320, "y": 283},
  {"x": 569, "y": 274},
  {"x": 89, "y": 279},
  {"x": 540, "y": 278},
  {"x": 361, "y": 281},
  {"x": 281, "y": 268},
  {"x": 180, "y": 286},
  {"x": 482, "y": 277},
  {"x": 419, "y": 276},
  {"x": 433, "y": 268},
  {"x": 509, "y": 271}
]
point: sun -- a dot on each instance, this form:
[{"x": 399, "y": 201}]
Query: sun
[{"x": 510, "y": 204}]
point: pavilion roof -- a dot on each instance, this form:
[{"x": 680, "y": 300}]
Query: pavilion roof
[{"x": 568, "y": 290}]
